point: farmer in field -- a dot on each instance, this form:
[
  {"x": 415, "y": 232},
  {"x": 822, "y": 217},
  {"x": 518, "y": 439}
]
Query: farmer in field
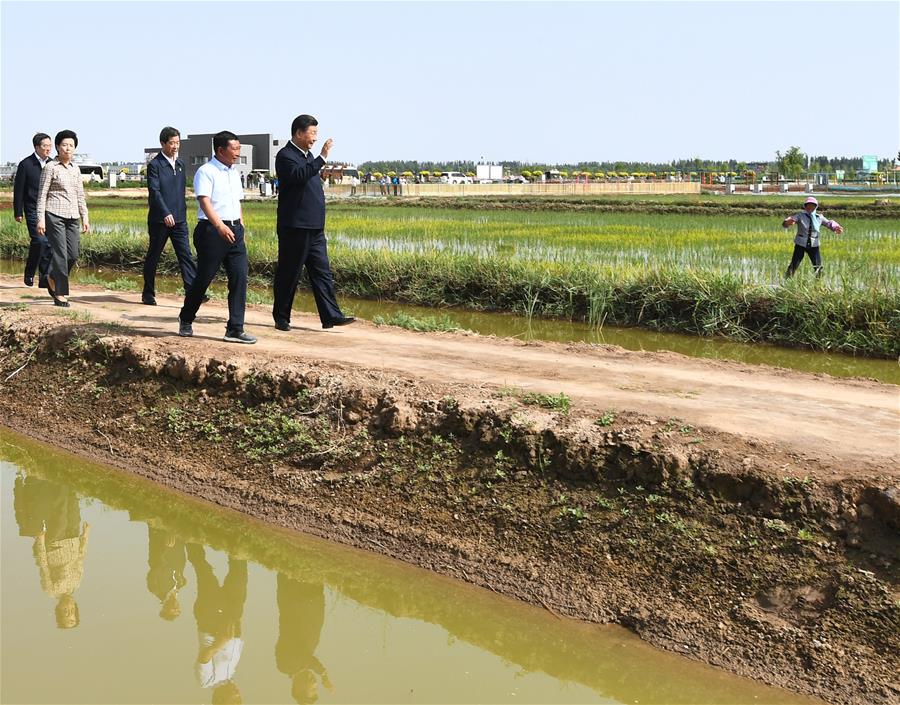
[{"x": 808, "y": 222}]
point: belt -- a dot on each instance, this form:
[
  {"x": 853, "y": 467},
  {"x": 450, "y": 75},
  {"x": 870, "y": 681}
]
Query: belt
[{"x": 229, "y": 223}]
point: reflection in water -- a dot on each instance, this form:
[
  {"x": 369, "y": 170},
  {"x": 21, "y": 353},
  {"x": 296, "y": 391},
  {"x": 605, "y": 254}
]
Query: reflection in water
[
  {"x": 301, "y": 615},
  {"x": 392, "y": 634},
  {"x": 218, "y": 611},
  {"x": 165, "y": 576},
  {"x": 49, "y": 512}
]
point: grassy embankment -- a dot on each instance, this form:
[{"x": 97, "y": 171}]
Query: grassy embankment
[{"x": 678, "y": 271}]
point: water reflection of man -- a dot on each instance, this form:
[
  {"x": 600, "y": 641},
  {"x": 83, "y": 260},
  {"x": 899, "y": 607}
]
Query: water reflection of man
[
  {"x": 49, "y": 512},
  {"x": 218, "y": 611},
  {"x": 165, "y": 576},
  {"x": 301, "y": 615}
]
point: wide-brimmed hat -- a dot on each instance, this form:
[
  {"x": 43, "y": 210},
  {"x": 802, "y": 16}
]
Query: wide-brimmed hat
[{"x": 811, "y": 199}]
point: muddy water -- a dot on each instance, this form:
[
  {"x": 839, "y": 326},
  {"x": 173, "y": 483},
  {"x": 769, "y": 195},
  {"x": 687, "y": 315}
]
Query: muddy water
[
  {"x": 509, "y": 325},
  {"x": 118, "y": 591}
]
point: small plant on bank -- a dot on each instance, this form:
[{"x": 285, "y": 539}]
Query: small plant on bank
[
  {"x": 604, "y": 503},
  {"x": 78, "y": 316},
  {"x": 776, "y": 525},
  {"x": 558, "y": 402},
  {"x": 607, "y": 419},
  {"x": 574, "y": 516},
  {"x": 805, "y": 535}
]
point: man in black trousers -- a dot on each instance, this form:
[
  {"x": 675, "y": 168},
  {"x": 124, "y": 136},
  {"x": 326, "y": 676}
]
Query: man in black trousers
[
  {"x": 25, "y": 193},
  {"x": 219, "y": 238},
  {"x": 167, "y": 217},
  {"x": 301, "y": 227}
]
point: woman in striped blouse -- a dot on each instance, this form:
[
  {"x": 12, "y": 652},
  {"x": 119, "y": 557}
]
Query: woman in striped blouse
[{"x": 60, "y": 204}]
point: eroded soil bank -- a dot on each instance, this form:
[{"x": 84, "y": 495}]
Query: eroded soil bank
[{"x": 696, "y": 539}]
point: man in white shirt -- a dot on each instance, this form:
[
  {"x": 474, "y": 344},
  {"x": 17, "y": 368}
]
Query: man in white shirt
[
  {"x": 219, "y": 238},
  {"x": 218, "y": 610}
]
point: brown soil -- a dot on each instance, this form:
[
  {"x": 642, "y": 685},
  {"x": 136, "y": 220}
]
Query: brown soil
[{"x": 744, "y": 516}]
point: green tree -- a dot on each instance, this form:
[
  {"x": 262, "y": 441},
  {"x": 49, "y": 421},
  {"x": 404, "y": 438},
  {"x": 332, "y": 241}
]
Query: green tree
[{"x": 792, "y": 163}]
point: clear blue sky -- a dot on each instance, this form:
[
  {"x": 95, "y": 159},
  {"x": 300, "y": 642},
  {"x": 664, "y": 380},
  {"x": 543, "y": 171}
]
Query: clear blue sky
[{"x": 533, "y": 81}]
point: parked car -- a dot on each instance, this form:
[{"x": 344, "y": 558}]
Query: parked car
[{"x": 455, "y": 177}]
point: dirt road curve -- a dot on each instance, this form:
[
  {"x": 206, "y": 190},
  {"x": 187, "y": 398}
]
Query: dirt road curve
[{"x": 819, "y": 417}]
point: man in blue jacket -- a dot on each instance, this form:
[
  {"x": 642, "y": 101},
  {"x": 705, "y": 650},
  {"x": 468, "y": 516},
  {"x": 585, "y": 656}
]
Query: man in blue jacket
[
  {"x": 167, "y": 217},
  {"x": 301, "y": 227},
  {"x": 25, "y": 193}
]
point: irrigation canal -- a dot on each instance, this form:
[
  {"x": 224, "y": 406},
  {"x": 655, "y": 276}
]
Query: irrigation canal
[
  {"x": 118, "y": 591},
  {"x": 510, "y": 325}
]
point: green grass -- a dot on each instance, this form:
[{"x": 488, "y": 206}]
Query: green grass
[
  {"x": 421, "y": 324},
  {"x": 708, "y": 275},
  {"x": 558, "y": 402}
]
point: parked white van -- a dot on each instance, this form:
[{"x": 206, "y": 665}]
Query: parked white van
[{"x": 455, "y": 177}]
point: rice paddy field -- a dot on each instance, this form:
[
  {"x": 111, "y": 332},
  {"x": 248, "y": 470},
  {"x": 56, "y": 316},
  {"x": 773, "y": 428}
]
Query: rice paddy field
[{"x": 716, "y": 274}]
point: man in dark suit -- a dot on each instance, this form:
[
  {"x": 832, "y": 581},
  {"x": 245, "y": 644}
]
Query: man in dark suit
[
  {"x": 168, "y": 214},
  {"x": 25, "y": 195},
  {"x": 301, "y": 227},
  {"x": 301, "y": 616}
]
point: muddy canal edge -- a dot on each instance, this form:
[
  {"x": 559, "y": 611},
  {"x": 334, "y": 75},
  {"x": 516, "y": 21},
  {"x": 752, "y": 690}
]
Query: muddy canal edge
[{"x": 696, "y": 540}]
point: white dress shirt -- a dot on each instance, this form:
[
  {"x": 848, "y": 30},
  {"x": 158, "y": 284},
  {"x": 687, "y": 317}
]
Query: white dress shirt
[
  {"x": 222, "y": 184},
  {"x": 222, "y": 665},
  {"x": 42, "y": 160}
]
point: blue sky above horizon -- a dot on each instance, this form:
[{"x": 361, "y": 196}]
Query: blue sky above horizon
[{"x": 530, "y": 81}]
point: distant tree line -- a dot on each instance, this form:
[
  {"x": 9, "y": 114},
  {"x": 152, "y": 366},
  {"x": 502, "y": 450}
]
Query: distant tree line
[{"x": 792, "y": 162}]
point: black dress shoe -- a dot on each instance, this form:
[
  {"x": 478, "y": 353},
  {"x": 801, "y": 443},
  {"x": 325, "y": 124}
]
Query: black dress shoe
[
  {"x": 29, "y": 281},
  {"x": 148, "y": 300},
  {"x": 343, "y": 321},
  {"x": 282, "y": 325}
]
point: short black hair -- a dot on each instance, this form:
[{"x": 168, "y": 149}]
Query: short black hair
[
  {"x": 168, "y": 133},
  {"x": 63, "y": 135},
  {"x": 301, "y": 122},
  {"x": 221, "y": 140},
  {"x": 38, "y": 138}
]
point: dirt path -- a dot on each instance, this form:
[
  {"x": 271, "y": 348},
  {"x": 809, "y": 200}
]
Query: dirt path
[{"x": 824, "y": 420}]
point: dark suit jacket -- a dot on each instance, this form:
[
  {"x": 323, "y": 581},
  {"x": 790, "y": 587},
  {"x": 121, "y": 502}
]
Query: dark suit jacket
[
  {"x": 301, "y": 198},
  {"x": 166, "y": 190},
  {"x": 28, "y": 183}
]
